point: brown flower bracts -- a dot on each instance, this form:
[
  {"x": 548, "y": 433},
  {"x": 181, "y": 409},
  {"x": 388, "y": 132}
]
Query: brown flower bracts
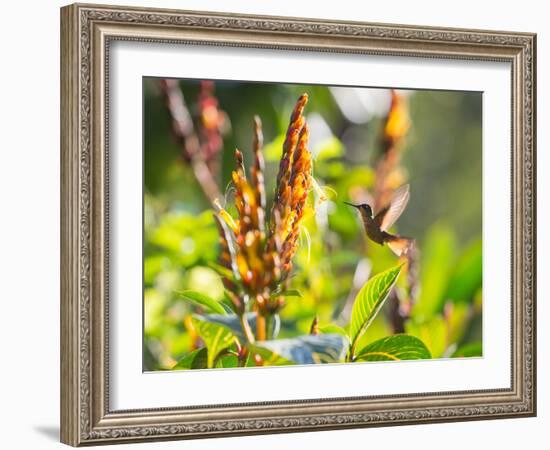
[{"x": 259, "y": 253}]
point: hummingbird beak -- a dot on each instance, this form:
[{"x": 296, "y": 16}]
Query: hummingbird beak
[{"x": 351, "y": 204}]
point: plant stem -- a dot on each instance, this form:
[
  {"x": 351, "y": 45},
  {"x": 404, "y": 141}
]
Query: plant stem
[
  {"x": 246, "y": 329},
  {"x": 261, "y": 327},
  {"x": 351, "y": 352},
  {"x": 396, "y": 318}
]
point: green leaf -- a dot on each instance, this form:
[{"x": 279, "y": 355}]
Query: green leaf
[
  {"x": 329, "y": 148},
  {"x": 394, "y": 348},
  {"x": 203, "y": 280},
  {"x": 379, "y": 328},
  {"x": 370, "y": 299},
  {"x": 269, "y": 357},
  {"x": 469, "y": 350},
  {"x": 438, "y": 259},
  {"x": 216, "y": 338},
  {"x": 432, "y": 332},
  {"x": 227, "y": 362},
  {"x": 342, "y": 220},
  {"x": 467, "y": 276},
  {"x": 203, "y": 300},
  {"x": 308, "y": 349},
  {"x": 197, "y": 359},
  {"x": 186, "y": 238},
  {"x": 227, "y": 304},
  {"x": 223, "y": 271},
  {"x": 358, "y": 175},
  {"x": 273, "y": 150},
  {"x": 233, "y": 323},
  {"x": 457, "y": 318},
  {"x": 332, "y": 329}
]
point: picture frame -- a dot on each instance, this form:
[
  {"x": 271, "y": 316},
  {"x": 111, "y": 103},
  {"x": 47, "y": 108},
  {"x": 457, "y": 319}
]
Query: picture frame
[{"x": 87, "y": 33}]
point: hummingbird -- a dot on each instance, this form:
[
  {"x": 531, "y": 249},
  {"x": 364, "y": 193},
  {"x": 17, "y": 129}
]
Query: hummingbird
[{"x": 376, "y": 226}]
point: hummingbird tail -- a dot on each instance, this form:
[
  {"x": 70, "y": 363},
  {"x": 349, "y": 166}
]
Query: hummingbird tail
[{"x": 399, "y": 245}]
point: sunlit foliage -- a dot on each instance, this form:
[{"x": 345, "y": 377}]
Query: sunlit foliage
[{"x": 252, "y": 258}]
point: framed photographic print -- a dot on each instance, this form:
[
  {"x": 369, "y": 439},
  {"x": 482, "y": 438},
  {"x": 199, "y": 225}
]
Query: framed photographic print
[{"x": 277, "y": 225}]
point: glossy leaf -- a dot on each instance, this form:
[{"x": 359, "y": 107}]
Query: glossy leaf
[
  {"x": 394, "y": 348},
  {"x": 223, "y": 271},
  {"x": 467, "y": 275},
  {"x": 227, "y": 304},
  {"x": 379, "y": 328},
  {"x": 309, "y": 349},
  {"x": 432, "y": 332},
  {"x": 332, "y": 329},
  {"x": 203, "y": 300},
  {"x": 216, "y": 338},
  {"x": 273, "y": 150},
  {"x": 458, "y": 317},
  {"x": 232, "y": 322},
  {"x": 196, "y": 235},
  {"x": 438, "y": 254},
  {"x": 268, "y": 357},
  {"x": 330, "y": 148},
  {"x": 227, "y": 362},
  {"x": 370, "y": 299},
  {"x": 469, "y": 350},
  {"x": 197, "y": 359}
]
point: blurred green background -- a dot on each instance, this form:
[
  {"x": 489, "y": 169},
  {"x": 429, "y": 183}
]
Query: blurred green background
[{"x": 442, "y": 161}]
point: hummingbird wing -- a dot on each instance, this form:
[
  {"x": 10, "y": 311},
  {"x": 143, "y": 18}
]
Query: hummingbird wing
[{"x": 387, "y": 216}]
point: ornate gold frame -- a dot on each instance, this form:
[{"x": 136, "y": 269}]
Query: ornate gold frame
[{"x": 86, "y": 31}]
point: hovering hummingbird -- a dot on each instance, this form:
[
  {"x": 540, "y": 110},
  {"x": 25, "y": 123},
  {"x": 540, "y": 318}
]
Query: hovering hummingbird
[{"x": 376, "y": 226}]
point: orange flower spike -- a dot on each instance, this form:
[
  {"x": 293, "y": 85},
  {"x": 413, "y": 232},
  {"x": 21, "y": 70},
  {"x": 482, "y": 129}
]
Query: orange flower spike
[
  {"x": 299, "y": 108},
  {"x": 301, "y": 170},
  {"x": 301, "y": 181},
  {"x": 253, "y": 251},
  {"x": 302, "y": 157},
  {"x": 244, "y": 270},
  {"x": 245, "y": 196},
  {"x": 288, "y": 251},
  {"x": 239, "y": 180},
  {"x": 239, "y": 202},
  {"x": 293, "y": 181},
  {"x": 257, "y": 175},
  {"x": 398, "y": 121},
  {"x": 263, "y": 264},
  {"x": 236, "y": 179},
  {"x": 259, "y": 163},
  {"x": 284, "y": 199},
  {"x": 288, "y": 225},
  {"x": 299, "y": 192},
  {"x": 287, "y": 267},
  {"x": 248, "y": 194},
  {"x": 294, "y": 128},
  {"x": 240, "y": 163},
  {"x": 272, "y": 265}
]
